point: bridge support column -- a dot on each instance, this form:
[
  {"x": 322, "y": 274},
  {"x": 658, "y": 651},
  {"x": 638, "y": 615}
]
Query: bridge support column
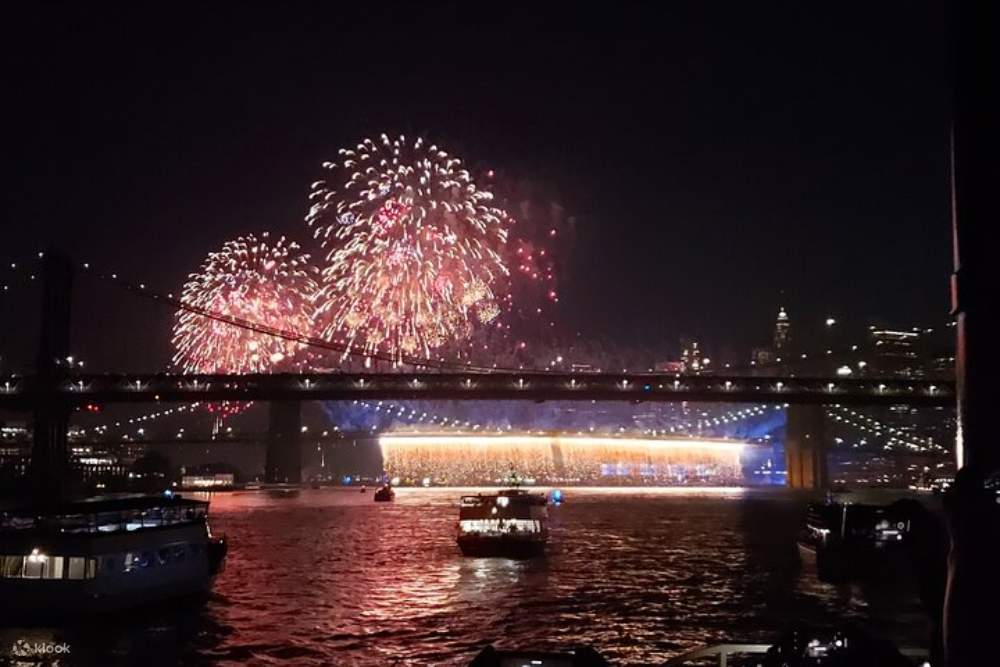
[
  {"x": 50, "y": 420},
  {"x": 805, "y": 453},
  {"x": 283, "y": 461}
]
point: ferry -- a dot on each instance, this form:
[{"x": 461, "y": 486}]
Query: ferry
[
  {"x": 511, "y": 523},
  {"x": 105, "y": 554}
]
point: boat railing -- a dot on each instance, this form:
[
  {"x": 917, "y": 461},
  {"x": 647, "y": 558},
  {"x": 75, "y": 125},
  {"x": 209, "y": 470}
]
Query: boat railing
[
  {"x": 106, "y": 522},
  {"x": 721, "y": 653}
]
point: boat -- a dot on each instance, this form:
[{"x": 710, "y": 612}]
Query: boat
[
  {"x": 105, "y": 554},
  {"x": 512, "y": 523},
  {"x": 364, "y": 489},
  {"x": 847, "y": 540},
  {"x": 385, "y": 494},
  {"x": 283, "y": 491}
]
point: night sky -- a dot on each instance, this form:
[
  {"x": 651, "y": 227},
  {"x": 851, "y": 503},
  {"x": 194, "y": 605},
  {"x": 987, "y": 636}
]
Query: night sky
[{"x": 713, "y": 153}]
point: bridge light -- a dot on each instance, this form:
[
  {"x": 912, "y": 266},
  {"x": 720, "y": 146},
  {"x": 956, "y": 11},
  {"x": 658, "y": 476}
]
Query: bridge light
[{"x": 830, "y": 321}]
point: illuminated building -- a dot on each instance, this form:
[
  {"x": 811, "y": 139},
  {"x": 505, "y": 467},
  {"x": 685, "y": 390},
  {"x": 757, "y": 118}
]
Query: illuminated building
[
  {"x": 782, "y": 335},
  {"x": 211, "y": 481},
  {"x": 896, "y": 352},
  {"x": 691, "y": 356}
]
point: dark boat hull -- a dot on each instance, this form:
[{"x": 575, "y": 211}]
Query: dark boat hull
[{"x": 501, "y": 547}]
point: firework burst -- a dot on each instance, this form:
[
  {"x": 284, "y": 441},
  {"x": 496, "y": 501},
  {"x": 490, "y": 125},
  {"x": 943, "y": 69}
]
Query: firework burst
[
  {"x": 253, "y": 279},
  {"x": 413, "y": 248}
]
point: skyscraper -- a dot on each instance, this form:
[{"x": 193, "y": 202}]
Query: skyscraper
[{"x": 781, "y": 333}]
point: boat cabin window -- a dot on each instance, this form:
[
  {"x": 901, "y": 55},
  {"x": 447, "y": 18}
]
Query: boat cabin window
[
  {"x": 113, "y": 522},
  {"x": 500, "y": 525},
  {"x": 177, "y": 553},
  {"x": 42, "y": 566}
]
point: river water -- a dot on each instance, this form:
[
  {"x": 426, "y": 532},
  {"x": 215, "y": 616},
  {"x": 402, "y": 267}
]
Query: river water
[{"x": 331, "y": 578}]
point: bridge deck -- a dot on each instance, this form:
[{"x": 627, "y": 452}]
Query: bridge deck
[{"x": 19, "y": 393}]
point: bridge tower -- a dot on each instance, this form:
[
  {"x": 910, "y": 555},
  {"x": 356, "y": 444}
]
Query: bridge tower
[
  {"x": 805, "y": 452},
  {"x": 283, "y": 459},
  {"x": 50, "y": 420}
]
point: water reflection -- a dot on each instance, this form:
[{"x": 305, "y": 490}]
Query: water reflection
[{"x": 331, "y": 577}]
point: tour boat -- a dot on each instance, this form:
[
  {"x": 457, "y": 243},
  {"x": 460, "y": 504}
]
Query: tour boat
[
  {"x": 105, "y": 554},
  {"x": 385, "y": 494},
  {"x": 511, "y": 523}
]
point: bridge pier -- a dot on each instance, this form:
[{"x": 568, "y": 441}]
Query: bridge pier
[
  {"x": 283, "y": 460},
  {"x": 805, "y": 453},
  {"x": 50, "y": 418}
]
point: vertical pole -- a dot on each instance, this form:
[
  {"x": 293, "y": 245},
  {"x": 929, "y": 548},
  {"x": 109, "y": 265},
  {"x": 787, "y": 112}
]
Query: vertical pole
[
  {"x": 49, "y": 455},
  {"x": 283, "y": 460},
  {"x": 805, "y": 451},
  {"x": 973, "y": 513},
  {"x": 974, "y": 174}
]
